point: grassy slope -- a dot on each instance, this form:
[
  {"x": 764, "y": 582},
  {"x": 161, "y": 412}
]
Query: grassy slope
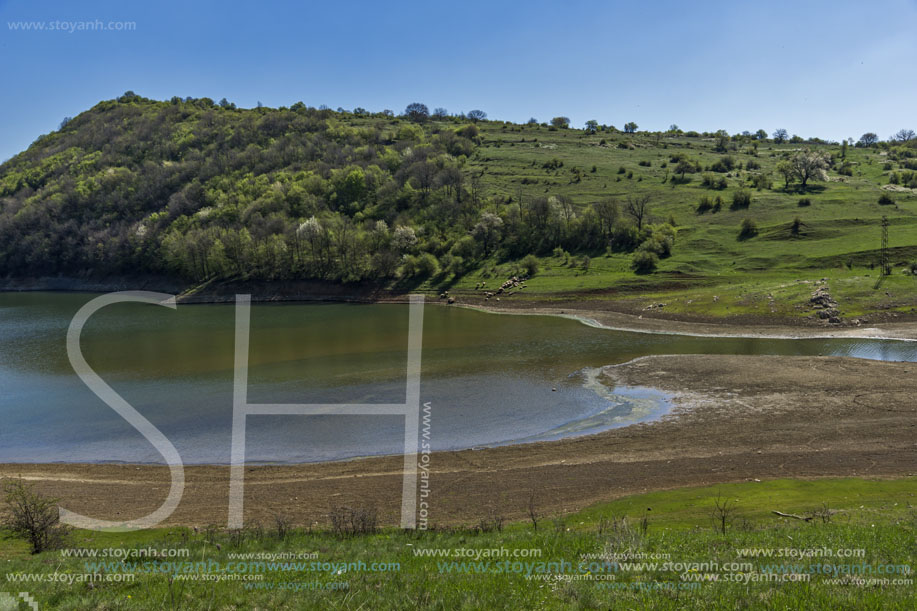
[
  {"x": 839, "y": 241},
  {"x": 877, "y": 516}
]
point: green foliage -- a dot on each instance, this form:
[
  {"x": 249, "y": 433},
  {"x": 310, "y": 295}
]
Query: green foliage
[
  {"x": 741, "y": 199},
  {"x": 530, "y": 265},
  {"x": 749, "y": 229},
  {"x": 886, "y": 200},
  {"x": 644, "y": 262}
]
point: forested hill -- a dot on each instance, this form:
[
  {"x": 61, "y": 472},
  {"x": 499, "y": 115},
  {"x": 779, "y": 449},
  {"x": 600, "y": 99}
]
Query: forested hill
[{"x": 199, "y": 190}]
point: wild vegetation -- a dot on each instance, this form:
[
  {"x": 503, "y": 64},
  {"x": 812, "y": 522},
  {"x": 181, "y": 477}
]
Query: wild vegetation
[
  {"x": 833, "y": 543},
  {"x": 205, "y": 191}
]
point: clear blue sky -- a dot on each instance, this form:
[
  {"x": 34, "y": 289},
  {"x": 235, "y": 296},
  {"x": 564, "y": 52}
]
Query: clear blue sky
[{"x": 833, "y": 69}]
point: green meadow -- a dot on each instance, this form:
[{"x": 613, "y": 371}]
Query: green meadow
[{"x": 850, "y": 545}]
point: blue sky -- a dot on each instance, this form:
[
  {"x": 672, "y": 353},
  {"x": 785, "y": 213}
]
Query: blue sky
[{"x": 817, "y": 68}]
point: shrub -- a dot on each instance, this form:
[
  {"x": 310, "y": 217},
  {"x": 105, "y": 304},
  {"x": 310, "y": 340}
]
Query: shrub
[
  {"x": 704, "y": 204},
  {"x": 886, "y": 200},
  {"x": 622, "y": 170},
  {"x": 748, "y": 230},
  {"x": 645, "y": 164},
  {"x": 712, "y": 181},
  {"x": 644, "y": 262},
  {"x": 530, "y": 265},
  {"x": 761, "y": 181},
  {"x": 752, "y": 165},
  {"x": 33, "y": 517},
  {"x": 723, "y": 164},
  {"x": 805, "y": 201},
  {"x": 349, "y": 521},
  {"x": 741, "y": 199}
]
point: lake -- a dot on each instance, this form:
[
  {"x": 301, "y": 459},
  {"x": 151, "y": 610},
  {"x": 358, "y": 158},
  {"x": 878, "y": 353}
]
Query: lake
[{"x": 490, "y": 379}]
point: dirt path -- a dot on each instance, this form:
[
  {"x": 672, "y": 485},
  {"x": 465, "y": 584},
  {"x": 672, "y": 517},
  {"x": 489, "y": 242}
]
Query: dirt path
[{"x": 735, "y": 418}]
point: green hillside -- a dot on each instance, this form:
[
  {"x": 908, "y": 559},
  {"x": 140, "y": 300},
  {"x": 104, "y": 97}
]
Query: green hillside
[{"x": 206, "y": 192}]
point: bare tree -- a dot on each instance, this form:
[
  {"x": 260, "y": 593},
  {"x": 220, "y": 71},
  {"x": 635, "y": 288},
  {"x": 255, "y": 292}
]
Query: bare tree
[
  {"x": 638, "y": 206},
  {"x": 607, "y": 212},
  {"x": 722, "y": 513},
  {"x": 868, "y": 139},
  {"x": 780, "y": 135},
  {"x": 903, "y": 135},
  {"x": 533, "y": 512},
  {"x": 477, "y": 115}
]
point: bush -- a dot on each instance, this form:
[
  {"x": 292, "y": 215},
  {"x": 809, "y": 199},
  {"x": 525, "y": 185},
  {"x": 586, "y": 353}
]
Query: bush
[
  {"x": 712, "y": 181},
  {"x": 704, "y": 204},
  {"x": 805, "y": 201},
  {"x": 622, "y": 170},
  {"x": 644, "y": 262},
  {"x": 530, "y": 265},
  {"x": 33, "y": 517},
  {"x": 350, "y": 521},
  {"x": 886, "y": 200},
  {"x": 748, "y": 230},
  {"x": 752, "y": 165},
  {"x": 741, "y": 199},
  {"x": 761, "y": 181}
]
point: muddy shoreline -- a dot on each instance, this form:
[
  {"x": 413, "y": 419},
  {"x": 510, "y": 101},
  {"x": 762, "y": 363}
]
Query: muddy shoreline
[{"x": 735, "y": 418}]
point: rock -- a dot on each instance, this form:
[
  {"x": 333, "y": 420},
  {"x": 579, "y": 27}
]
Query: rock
[{"x": 450, "y": 300}]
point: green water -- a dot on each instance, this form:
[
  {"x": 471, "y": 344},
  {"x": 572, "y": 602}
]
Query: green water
[{"x": 489, "y": 379}]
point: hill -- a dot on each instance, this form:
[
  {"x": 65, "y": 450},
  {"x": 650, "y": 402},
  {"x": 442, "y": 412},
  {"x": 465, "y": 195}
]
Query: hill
[{"x": 711, "y": 224}]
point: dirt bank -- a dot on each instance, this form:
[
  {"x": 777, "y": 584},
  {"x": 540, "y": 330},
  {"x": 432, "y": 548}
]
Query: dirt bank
[{"x": 736, "y": 418}]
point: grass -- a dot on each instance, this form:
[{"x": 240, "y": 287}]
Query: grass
[
  {"x": 839, "y": 237},
  {"x": 877, "y": 516}
]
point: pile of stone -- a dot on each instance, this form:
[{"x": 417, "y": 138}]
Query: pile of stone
[{"x": 825, "y": 305}]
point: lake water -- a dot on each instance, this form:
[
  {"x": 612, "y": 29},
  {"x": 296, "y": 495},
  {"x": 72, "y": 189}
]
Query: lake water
[{"x": 488, "y": 378}]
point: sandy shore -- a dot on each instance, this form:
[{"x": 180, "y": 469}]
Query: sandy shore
[{"x": 735, "y": 418}]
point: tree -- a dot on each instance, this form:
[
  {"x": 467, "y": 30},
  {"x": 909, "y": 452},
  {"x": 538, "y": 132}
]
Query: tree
[
  {"x": 780, "y": 135},
  {"x": 487, "y": 231},
  {"x": 630, "y": 127},
  {"x": 439, "y": 113},
  {"x": 32, "y": 517},
  {"x": 761, "y": 134},
  {"x": 673, "y": 128},
  {"x": 417, "y": 112},
  {"x": 592, "y": 126},
  {"x": 903, "y": 135},
  {"x": 785, "y": 169},
  {"x": 638, "y": 207},
  {"x": 684, "y": 167},
  {"x": 810, "y": 164},
  {"x": 477, "y": 115},
  {"x": 67, "y": 120},
  {"x": 532, "y": 121},
  {"x": 868, "y": 139},
  {"x": 561, "y": 122}
]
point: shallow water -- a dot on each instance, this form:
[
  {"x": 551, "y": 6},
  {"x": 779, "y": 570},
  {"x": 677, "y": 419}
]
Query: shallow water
[{"x": 488, "y": 378}]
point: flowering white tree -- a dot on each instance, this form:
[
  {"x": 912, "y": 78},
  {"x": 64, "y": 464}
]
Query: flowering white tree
[{"x": 810, "y": 165}]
